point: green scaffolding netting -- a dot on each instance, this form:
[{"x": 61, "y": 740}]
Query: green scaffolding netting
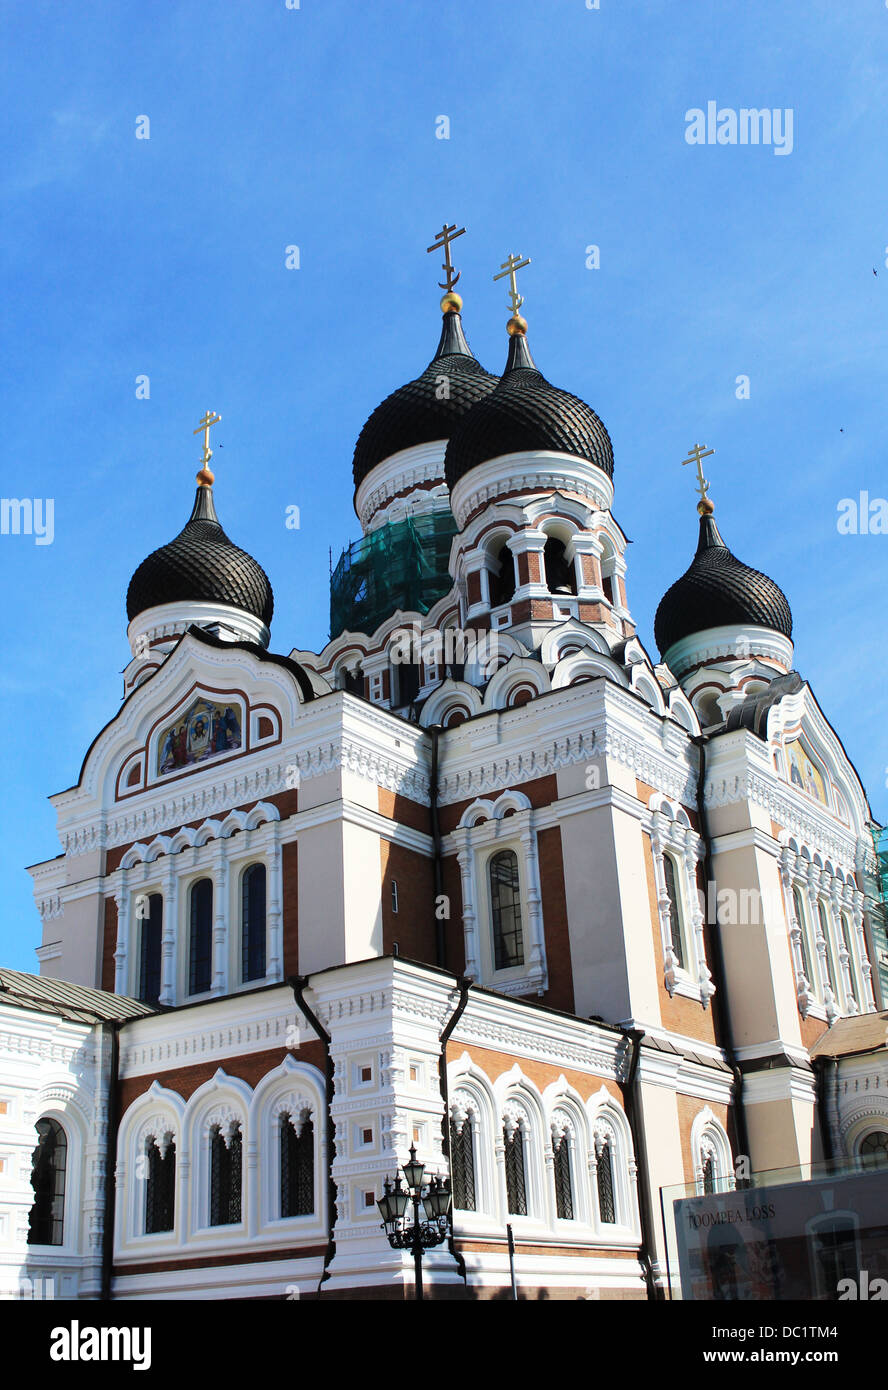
[{"x": 400, "y": 565}]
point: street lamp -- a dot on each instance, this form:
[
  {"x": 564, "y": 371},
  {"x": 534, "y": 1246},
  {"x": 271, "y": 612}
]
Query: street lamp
[{"x": 418, "y": 1235}]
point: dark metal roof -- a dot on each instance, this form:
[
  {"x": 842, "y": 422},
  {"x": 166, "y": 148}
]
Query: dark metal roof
[
  {"x": 718, "y": 590},
  {"x": 526, "y": 412},
  {"x": 420, "y": 411},
  {"x": 201, "y": 565},
  {"x": 77, "y": 1003}
]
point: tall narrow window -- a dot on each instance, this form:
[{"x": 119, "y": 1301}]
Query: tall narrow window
[
  {"x": 563, "y": 1187},
  {"x": 149, "y": 950},
  {"x": 505, "y": 901},
  {"x": 160, "y": 1187},
  {"x": 561, "y": 575},
  {"x": 253, "y": 923},
  {"x": 297, "y": 1166},
  {"x": 607, "y": 585},
  {"x": 201, "y": 941},
  {"x": 675, "y": 922},
  {"x": 607, "y": 1211},
  {"x": 708, "y": 1174},
  {"x": 501, "y": 578},
  {"x": 803, "y": 935},
  {"x": 515, "y": 1184},
  {"x": 48, "y": 1164},
  {"x": 462, "y": 1164},
  {"x": 225, "y": 1177}
]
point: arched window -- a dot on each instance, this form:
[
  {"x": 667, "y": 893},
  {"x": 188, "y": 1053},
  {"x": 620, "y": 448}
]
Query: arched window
[
  {"x": 297, "y": 1164},
  {"x": 501, "y": 577},
  {"x": 561, "y": 577},
  {"x": 873, "y": 1149},
  {"x": 604, "y": 1174},
  {"x": 516, "y": 1188},
  {"x": 253, "y": 923},
  {"x": 48, "y": 1164},
  {"x": 505, "y": 904},
  {"x": 200, "y": 955},
  {"x": 225, "y": 1175},
  {"x": 564, "y": 1204},
  {"x": 462, "y": 1163},
  {"x": 802, "y": 920},
  {"x": 160, "y": 1185},
  {"x": 149, "y": 950},
  {"x": 676, "y": 924}
]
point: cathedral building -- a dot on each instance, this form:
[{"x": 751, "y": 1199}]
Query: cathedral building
[{"x": 481, "y": 877}]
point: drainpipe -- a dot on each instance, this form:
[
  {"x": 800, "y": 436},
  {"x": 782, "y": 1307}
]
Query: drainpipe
[
  {"x": 464, "y": 984},
  {"x": 827, "y": 1071},
  {"x": 440, "y": 950},
  {"x": 112, "y": 1030},
  {"x": 636, "y": 1128},
  {"x": 298, "y": 984},
  {"x": 719, "y": 1001}
]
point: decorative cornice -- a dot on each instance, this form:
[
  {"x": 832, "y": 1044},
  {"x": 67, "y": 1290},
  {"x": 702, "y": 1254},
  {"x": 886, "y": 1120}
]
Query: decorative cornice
[{"x": 542, "y": 471}]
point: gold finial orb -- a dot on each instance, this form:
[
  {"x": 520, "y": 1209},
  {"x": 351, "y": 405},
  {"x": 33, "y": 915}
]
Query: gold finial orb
[
  {"x": 516, "y": 325},
  {"x": 451, "y": 303},
  {"x": 206, "y": 477},
  {"x": 705, "y": 507}
]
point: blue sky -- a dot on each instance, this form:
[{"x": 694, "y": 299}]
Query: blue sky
[{"x": 316, "y": 127}]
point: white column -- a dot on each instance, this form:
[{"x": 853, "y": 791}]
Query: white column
[
  {"x": 275, "y": 964},
  {"x": 693, "y": 851},
  {"x": 169, "y": 935},
  {"x": 220, "y": 909},
  {"x": 537, "y": 962},
  {"x": 121, "y": 897},
  {"x": 803, "y": 984},
  {"x": 866, "y": 970},
  {"x": 844, "y": 957},
  {"x": 466, "y": 860},
  {"x": 820, "y": 945}
]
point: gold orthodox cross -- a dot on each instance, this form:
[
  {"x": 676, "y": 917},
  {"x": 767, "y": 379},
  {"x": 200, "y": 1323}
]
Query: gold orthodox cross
[
  {"x": 444, "y": 238},
  {"x": 697, "y": 455},
  {"x": 206, "y": 423},
  {"x": 508, "y": 268}
]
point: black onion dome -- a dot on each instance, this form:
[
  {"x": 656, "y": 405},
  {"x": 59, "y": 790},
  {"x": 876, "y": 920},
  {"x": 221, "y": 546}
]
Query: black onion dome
[
  {"x": 203, "y": 566},
  {"x": 414, "y": 414},
  {"x": 526, "y": 413},
  {"x": 718, "y": 590}
]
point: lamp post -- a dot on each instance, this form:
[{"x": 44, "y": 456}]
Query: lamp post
[{"x": 419, "y": 1235}]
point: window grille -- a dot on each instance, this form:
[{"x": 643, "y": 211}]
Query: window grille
[
  {"x": 297, "y": 1167},
  {"x": 225, "y": 1178},
  {"x": 462, "y": 1165},
  {"x": 874, "y": 1148},
  {"x": 563, "y": 1189},
  {"x": 515, "y": 1184},
  {"x": 607, "y": 1209},
  {"x": 160, "y": 1188}
]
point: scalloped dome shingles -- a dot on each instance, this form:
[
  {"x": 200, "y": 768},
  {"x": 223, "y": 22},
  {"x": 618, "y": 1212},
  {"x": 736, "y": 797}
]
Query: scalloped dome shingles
[
  {"x": 201, "y": 565},
  {"x": 718, "y": 590},
  {"x": 414, "y": 414},
  {"x": 526, "y": 413}
]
